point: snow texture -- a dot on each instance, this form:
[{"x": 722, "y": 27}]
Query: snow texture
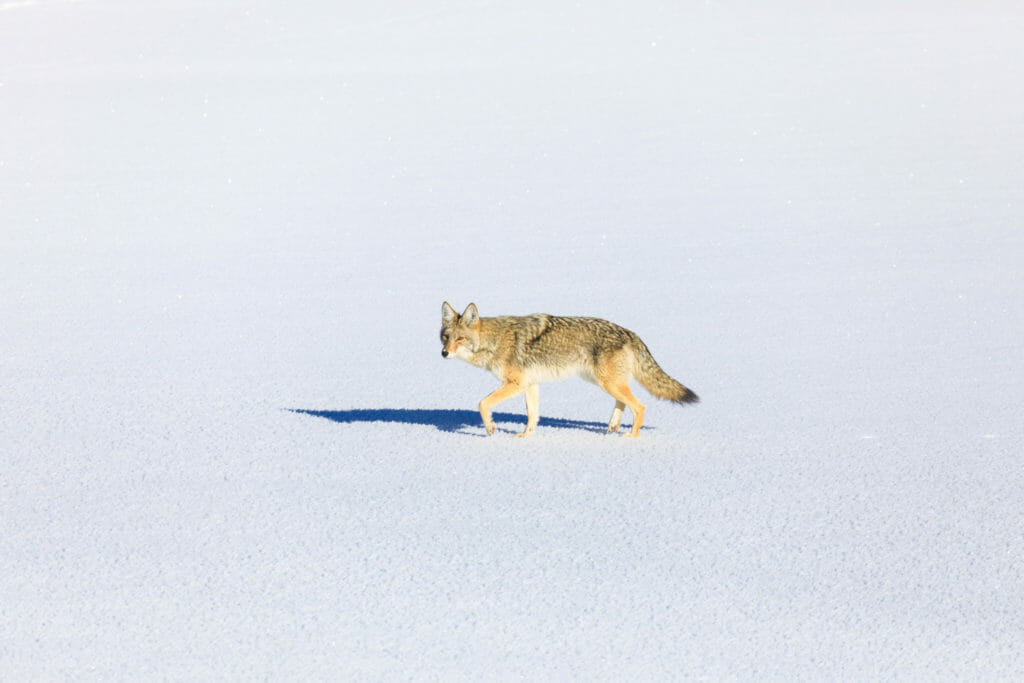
[{"x": 230, "y": 448}]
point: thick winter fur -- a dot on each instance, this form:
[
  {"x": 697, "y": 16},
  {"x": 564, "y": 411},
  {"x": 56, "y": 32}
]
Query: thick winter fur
[{"x": 523, "y": 351}]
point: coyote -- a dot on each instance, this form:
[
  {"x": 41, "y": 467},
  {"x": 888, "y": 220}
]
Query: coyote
[{"x": 523, "y": 351}]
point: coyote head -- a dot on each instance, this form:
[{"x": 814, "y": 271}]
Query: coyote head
[{"x": 460, "y": 334}]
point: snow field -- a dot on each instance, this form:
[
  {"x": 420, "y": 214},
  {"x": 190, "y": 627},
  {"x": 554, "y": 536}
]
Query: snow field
[{"x": 230, "y": 448}]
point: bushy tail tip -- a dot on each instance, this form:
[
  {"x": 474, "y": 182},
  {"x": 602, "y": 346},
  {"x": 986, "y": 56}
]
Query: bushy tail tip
[
  {"x": 688, "y": 397},
  {"x": 663, "y": 386}
]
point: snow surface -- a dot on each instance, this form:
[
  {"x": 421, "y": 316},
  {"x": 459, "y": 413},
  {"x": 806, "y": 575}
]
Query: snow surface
[{"x": 230, "y": 448}]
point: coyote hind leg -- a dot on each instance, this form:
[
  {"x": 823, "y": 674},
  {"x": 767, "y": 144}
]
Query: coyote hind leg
[
  {"x": 616, "y": 421},
  {"x": 622, "y": 395}
]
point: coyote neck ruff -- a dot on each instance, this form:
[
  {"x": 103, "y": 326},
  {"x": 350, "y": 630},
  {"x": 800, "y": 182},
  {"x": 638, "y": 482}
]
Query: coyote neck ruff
[{"x": 523, "y": 351}]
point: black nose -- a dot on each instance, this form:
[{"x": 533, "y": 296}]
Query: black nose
[{"x": 444, "y": 353}]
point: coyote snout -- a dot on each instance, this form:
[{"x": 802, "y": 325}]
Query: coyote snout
[{"x": 523, "y": 351}]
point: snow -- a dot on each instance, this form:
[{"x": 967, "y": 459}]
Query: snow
[{"x": 230, "y": 448}]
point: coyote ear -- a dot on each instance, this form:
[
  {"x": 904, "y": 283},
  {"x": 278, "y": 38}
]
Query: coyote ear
[
  {"x": 448, "y": 314},
  {"x": 470, "y": 316}
]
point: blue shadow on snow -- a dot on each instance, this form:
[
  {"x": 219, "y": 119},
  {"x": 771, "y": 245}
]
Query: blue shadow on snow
[{"x": 444, "y": 420}]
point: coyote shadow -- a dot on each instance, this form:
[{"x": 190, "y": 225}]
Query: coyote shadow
[{"x": 444, "y": 420}]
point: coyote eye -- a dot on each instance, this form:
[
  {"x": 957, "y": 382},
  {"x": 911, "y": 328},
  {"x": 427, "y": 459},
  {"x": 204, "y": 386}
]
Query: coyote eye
[{"x": 460, "y": 339}]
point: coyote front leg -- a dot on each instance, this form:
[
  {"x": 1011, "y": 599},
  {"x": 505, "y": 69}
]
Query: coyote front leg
[
  {"x": 532, "y": 409},
  {"x": 502, "y": 393}
]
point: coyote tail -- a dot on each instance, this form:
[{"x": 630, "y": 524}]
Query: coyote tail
[{"x": 655, "y": 380}]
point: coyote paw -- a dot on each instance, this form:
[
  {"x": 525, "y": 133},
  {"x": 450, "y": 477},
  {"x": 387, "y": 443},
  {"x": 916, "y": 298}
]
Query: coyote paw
[
  {"x": 523, "y": 435},
  {"x": 490, "y": 428}
]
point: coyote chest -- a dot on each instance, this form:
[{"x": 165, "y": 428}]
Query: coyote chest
[{"x": 523, "y": 351}]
